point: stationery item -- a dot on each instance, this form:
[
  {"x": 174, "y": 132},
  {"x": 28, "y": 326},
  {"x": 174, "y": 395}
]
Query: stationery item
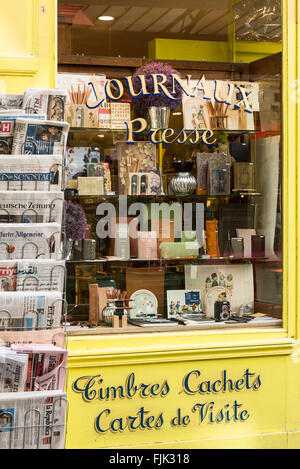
[
  {"x": 33, "y": 173},
  {"x": 7, "y": 129},
  {"x": 40, "y": 274},
  {"x": 122, "y": 249},
  {"x": 145, "y": 183},
  {"x": 218, "y": 178},
  {"x": 233, "y": 283},
  {"x": 179, "y": 249},
  {"x": 231, "y": 217},
  {"x": 212, "y": 245},
  {"x": 82, "y": 87},
  {"x": 88, "y": 249},
  {"x": 120, "y": 113},
  {"x": 100, "y": 170},
  {"x": 31, "y": 420},
  {"x": 8, "y": 275},
  {"x": 243, "y": 177},
  {"x": 183, "y": 303},
  {"x": 147, "y": 244},
  {"x": 258, "y": 246},
  {"x": 149, "y": 321},
  {"x": 137, "y": 158},
  {"x": 213, "y": 161},
  {"x": 45, "y": 101},
  {"x": 31, "y": 207},
  {"x": 78, "y": 159},
  {"x": 104, "y": 116},
  {"x": 143, "y": 303},
  {"x": 90, "y": 185},
  {"x": 30, "y": 310},
  {"x": 154, "y": 277},
  {"x": 29, "y": 240},
  {"x": 237, "y": 245},
  {"x": 39, "y": 137},
  {"x": 246, "y": 234}
]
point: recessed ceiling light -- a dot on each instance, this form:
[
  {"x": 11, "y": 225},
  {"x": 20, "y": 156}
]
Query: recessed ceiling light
[
  {"x": 100, "y": 135},
  {"x": 177, "y": 113},
  {"x": 106, "y": 18}
]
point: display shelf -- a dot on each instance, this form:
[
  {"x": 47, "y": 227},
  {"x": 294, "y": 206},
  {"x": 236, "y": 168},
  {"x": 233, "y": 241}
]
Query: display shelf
[
  {"x": 180, "y": 260},
  {"x": 158, "y": 198}
]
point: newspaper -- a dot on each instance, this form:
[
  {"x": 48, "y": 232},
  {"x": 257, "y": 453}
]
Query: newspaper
[
  {"x": 47, "y": 368},
  {"x": 45, "y": 101},
  {"x": 7, "y": 129},
  {"x": 31, "y": 207},
  {"x": 29, "y": 240},
  {"x": 39, "y": 138},
  {"x": 32, "y": 420},
  {"x": 30, "y": 310},
  {"x": 13, "y": 370},
  {"x": 8, "y": 275},
  {"x": 40, "y": 274},
  {"x": 8, "y": 101},
  {"x": 35, "y": 172}
]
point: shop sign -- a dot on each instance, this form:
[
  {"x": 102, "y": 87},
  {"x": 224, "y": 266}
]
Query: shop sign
[
  {"x": 169, "y": 135},
  {"x": 205, "y": 411}
]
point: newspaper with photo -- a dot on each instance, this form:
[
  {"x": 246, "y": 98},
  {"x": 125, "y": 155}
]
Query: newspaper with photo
[
  {"x": 30, "y": 240},
  {"x": 45, "y": 101},
  {"x": 33, "y": 172},
  {"x": 33, "y": 420},
  {"x": 41, "y": 138},
  {"x": 30, "y": 310},
  {"x": 7, "y": 129}
]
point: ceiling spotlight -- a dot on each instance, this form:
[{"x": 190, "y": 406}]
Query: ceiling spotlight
[
  {"x": 100, "y": 135},
  {"x": 106, "y": 18}
]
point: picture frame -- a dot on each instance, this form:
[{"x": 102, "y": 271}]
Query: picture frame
[{"x": 243, "y": 177}]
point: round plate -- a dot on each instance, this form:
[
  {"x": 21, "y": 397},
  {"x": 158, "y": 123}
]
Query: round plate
[{"x": 145, "y": 302}]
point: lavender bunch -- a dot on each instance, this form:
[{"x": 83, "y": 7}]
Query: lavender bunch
[
  {"x": 142, "y": 103},
  {"x": 75, "y": 223}
]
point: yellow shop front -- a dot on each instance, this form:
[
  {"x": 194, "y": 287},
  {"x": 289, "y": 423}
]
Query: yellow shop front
[{"x": 209, "y": 382}]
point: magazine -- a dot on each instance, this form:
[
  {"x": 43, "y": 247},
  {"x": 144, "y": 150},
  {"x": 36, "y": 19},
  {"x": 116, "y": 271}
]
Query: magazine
[
  {"x": 29, "y": 240},
  {"x": 7, "y": 129},
  {"x": 31, "y": 207},
  {"x": 32, "y": 420},
  {"x": 40, "y": 274},
  {"x": 40, "y": 138},
  {"x": 35, "y": 172},
  {"x": 45, "y": 101},
  {"x": 78, "y": 159},
  {"x": 30, "y": 310}
]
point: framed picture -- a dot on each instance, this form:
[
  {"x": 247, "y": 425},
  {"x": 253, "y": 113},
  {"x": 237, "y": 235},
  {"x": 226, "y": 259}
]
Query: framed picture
[
  {"x": 231, "y": 282},
  {"x": 243, "y": 177},
  {"x": 183, "y": 302}
]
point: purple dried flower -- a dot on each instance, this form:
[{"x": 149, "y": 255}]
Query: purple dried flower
[
  {"x": 142, "y": 103},
  {"x": 75, "y": 223}
]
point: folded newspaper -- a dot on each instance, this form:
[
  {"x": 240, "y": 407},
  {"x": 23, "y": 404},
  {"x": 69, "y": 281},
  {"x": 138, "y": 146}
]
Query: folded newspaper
[
  {"x": 13, "y": 370},
  {"x": 30, "y": 310},
  {"x": 7, "y": 129},
  {"x": 31, "y": 207},
  {"x": 39, "y": 138},
  {"x": 46, "y": 368},
  {"x": 33, "y": 420},
  {"x": 45, "y": 101},
  {"x": 35, "y": 172},
  {"x": 9, "y": 101},
  {"x": 30, "y": 240},
  {"x": 8, "y": 275},
  {"x": 40, "y": 274}
]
